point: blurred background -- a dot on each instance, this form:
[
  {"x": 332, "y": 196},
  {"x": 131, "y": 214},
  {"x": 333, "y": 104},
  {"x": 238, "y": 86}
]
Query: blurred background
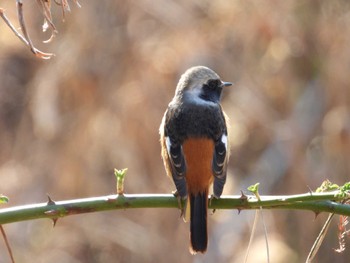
[{"x": 65, "y": 123}]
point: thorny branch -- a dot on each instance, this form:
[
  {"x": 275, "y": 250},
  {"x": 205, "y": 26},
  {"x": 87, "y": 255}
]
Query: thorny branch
[{"x": 45, "y": 6}]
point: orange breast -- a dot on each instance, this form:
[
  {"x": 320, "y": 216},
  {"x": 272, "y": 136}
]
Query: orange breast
[{"x": 199, "y": 156}]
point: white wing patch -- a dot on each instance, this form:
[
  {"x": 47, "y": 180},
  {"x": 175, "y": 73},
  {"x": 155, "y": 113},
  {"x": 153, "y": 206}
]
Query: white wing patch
[
  {"x": 224, "y": 140},
  {"x": 168, "y": 144}
]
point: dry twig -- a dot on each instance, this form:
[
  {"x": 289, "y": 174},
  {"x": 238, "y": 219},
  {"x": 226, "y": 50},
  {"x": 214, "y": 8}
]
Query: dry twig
[
  {"x": 7, "y": 244},
  {"x": 45, "y": 6}
]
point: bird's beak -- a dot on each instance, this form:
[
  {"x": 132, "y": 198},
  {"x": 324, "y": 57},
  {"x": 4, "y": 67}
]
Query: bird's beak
[{"x": 226, "y": 84}]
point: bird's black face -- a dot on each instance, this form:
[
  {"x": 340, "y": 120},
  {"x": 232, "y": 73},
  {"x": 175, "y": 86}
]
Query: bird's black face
[{"x": 211, "y": 91}]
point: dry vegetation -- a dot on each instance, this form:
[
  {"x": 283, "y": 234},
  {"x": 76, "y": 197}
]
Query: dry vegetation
[{"x": 67, "y": 122}]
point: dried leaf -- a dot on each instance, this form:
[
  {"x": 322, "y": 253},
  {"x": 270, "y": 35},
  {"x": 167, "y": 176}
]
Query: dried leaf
[{"x": 342, "y": 232}]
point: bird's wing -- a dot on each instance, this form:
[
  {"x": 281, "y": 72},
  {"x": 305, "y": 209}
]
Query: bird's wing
[
  {"x": 219, "y": 165},
  {"x": 177, "y": 165}
]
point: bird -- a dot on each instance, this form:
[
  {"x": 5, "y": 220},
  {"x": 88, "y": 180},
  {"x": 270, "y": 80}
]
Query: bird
[{"x": 195, "y": 146}]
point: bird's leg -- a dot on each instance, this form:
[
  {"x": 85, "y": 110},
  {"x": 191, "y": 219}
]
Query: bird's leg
[
  {"x": 213, "y": 196},
  {"x": 180, "y": 199}
]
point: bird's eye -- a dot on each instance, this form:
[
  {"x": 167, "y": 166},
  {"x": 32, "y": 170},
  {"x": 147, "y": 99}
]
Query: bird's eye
[{"x": 213, "y": 83}]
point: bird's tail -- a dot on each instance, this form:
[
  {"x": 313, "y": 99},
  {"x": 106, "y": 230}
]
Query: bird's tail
[{"x": 199, "y": 235}]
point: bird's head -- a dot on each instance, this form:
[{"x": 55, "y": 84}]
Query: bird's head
[{"x": 200, "y": 84}]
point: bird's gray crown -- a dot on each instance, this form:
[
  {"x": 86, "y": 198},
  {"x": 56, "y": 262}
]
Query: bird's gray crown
[{"x": 195, "y": 77}]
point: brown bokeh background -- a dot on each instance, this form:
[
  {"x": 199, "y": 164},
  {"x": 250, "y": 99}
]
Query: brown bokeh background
[{"x": 67, "y": 122}]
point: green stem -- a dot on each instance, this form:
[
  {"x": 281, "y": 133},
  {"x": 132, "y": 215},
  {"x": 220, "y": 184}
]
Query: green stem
[{"x": 316, "y": 202}]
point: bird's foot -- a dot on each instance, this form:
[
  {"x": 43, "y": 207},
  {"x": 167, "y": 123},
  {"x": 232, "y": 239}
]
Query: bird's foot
[
  {"x": 180, "y": 200},
  {"x": 211, "y": 199}
]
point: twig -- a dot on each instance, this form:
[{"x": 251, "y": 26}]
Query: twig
[
  {"x": 27, "y": 42},
  {"x": 265, "y": 235},
  {"x": 26, "y": 39},
  {"x": 317, "y": 202},
  {"x": 255, "y": 190},
  {"x": 256, "y": 218},
  {"x": 7, "y": 21},
  {"x": 45, "y": 7},
  {"x": 7, "y": 244},
  {"x": 318, "y": 242}
]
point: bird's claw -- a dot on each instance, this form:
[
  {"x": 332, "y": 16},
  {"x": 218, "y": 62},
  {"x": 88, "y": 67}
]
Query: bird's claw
[
  {"x": 179, "y": 202},
  {"x": 211, "y": 199}
]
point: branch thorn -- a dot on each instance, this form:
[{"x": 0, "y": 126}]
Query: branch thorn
[
  {"x": 50, "y": 201},
  {"x": 310, "y": 190},
  {"x": 243, "y": 196},
  {"x": 54, "y": 221},
  {"x": 316, "y": 214}
]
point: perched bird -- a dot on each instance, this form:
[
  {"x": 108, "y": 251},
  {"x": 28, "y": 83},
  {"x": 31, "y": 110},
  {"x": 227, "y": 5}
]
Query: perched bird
[{"x": 195, "y": 148}]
